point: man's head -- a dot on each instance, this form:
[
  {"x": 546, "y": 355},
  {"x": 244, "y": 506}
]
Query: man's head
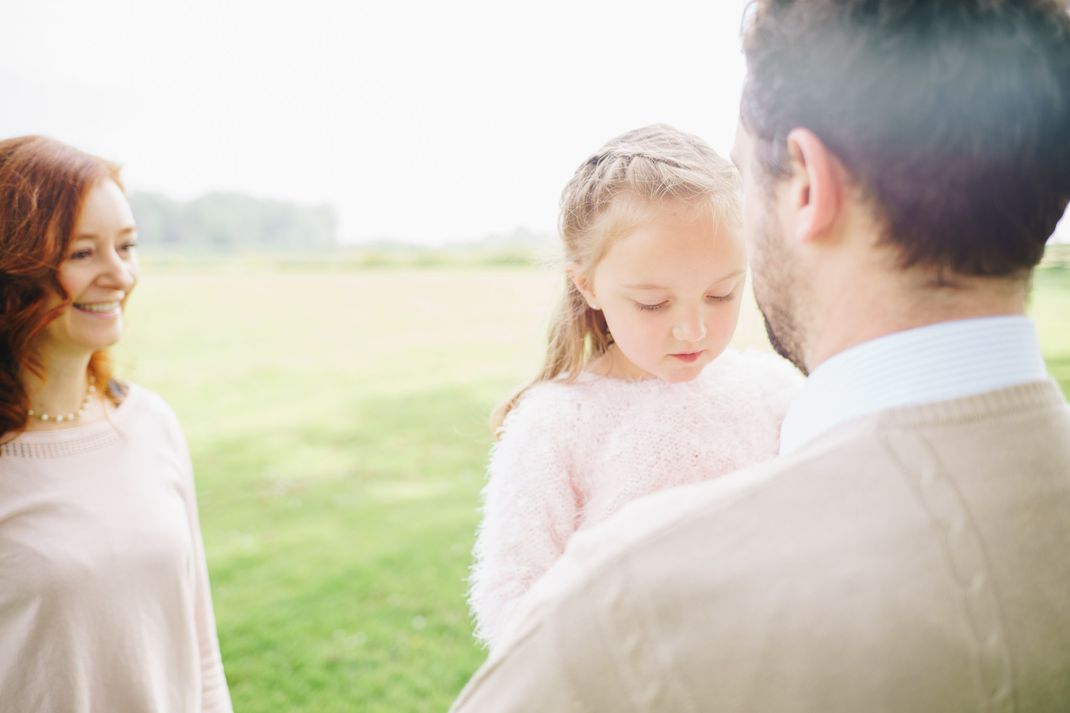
[{"x": 911, "y": 140}]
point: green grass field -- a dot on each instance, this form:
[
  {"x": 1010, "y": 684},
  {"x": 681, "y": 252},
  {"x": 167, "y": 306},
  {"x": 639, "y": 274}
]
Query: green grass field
[{"x": 338, "y": 424}]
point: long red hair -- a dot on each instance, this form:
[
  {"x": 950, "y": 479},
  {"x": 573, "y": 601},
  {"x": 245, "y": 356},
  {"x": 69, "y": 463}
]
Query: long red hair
[{"x": 43, "y": 185}]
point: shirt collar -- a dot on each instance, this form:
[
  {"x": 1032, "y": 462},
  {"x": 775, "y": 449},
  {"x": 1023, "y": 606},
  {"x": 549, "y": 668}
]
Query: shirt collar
[{"x": 937, "y": 362}]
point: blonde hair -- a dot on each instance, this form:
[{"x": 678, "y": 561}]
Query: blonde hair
[{"x": 603, "y": 201}]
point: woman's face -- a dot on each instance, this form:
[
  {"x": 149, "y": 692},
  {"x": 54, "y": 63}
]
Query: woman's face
[{"x": 99, "y": 272}]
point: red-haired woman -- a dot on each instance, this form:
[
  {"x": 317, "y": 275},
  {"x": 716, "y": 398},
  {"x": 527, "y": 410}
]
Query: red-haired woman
[{"x": 104, "y": 598}]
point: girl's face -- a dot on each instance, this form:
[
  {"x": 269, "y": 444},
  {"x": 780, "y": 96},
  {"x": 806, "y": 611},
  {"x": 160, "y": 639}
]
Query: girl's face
[
  {"x": 99, "y": 272},
  {"x": 670, "y": 291}
]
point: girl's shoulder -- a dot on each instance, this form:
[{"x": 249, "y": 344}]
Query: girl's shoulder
[
  {"x": 552, "y": 401},
  {"x": 558, "y": 410},
  {"x": 540, "y": 428},
  {"x": 753, "y": 368},
  {"x": 755, "y": 385},
  {"x": 587, "y": 404}
]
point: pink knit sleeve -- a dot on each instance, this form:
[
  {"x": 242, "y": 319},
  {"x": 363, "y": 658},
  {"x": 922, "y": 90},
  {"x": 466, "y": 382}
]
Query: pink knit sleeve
[
  {"x": 530, "y": 508},
  {"x": 215, "y": 695}
]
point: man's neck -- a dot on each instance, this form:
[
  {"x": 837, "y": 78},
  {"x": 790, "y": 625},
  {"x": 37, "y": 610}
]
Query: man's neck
[{"x": 908, "y": 301}]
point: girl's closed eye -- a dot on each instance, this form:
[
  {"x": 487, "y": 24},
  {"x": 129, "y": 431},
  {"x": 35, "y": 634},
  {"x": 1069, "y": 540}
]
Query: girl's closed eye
[
  {"x": 651, "y": 308},
  {"x": 722, "y": 298}
]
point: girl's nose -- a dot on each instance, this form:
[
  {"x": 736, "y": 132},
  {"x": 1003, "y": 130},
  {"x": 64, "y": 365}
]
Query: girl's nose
[{"x": 691, "y": 329}]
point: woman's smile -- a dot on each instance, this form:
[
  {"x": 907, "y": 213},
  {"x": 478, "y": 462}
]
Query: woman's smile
[{"x": 104, "y": 310}]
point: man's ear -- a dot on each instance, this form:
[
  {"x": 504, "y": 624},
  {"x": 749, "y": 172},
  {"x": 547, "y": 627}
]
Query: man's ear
[
  {"x": 817, "y": 184},
  {"x": 579, "y": 279}
]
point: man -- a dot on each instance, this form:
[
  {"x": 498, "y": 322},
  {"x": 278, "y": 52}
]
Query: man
[{"x": 904, "y": 162}]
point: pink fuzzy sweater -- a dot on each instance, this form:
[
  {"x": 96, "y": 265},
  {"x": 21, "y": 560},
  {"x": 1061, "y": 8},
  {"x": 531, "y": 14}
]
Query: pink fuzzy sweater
[{"x": 571, "y": 455}]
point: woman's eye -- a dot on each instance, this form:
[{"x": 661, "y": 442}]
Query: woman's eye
[
  {"x": 127, "y": 247},
  {"x": 80, "y": 254},
  {"x": 650, "y": 308},
  {"x": 722, "y": 298}
]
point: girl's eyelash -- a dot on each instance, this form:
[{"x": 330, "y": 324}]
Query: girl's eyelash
[{"x": 661, "y": 305}]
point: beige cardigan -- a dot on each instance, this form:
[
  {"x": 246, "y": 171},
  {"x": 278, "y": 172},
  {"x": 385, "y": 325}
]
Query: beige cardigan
[{"x": 914, "y": 560}]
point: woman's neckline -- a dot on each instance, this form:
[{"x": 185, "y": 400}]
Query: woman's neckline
[{"x": 78, "y": 432}]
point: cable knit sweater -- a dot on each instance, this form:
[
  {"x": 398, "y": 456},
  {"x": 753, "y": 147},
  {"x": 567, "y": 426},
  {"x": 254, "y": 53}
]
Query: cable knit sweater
[{"x": 572, "y": 454}]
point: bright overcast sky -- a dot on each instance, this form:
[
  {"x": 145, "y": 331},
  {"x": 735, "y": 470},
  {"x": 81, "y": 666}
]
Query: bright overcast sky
[
  {"x": 419, "y": 120},
  {"x": 423, "y": 120}
]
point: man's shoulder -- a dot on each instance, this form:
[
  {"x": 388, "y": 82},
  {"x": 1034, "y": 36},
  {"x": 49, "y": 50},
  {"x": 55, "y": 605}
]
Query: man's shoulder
[
  {"x": 889, "y": 550},
  {"x": 869, "y": 545},
  {"x": 858, "y": 490},
  {"x": 684, "y": 512},
  {"x": 740, "y": 516},
  {"x": 719, "y": 585}
]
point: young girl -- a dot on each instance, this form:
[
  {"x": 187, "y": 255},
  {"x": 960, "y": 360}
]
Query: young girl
[
  {"x": 638, "y": 392},
  {"x": 104, "y": 597}
]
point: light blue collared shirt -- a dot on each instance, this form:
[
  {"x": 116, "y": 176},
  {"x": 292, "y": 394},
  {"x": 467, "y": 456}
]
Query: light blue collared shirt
[{"x": 924, "y": 365}]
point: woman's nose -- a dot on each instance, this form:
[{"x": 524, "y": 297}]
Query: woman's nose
[{"x": 121, "y": 273}]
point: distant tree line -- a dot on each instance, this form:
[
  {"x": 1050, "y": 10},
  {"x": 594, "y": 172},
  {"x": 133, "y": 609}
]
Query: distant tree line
[{"x": 223, "y": 222}]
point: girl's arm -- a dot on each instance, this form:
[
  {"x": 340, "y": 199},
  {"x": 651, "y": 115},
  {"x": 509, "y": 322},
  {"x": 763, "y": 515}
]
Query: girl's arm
[{"x": 531, "y": 506}]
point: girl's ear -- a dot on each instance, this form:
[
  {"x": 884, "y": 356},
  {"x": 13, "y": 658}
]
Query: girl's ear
[{"x": 582, "y": 283}]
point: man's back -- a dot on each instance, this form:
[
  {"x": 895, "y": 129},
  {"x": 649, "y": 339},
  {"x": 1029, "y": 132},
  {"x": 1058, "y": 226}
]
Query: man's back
[{"x": 914, "y": 560}]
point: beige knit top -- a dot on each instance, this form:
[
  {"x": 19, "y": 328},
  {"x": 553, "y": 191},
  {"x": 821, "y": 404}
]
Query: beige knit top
[{"x": 104, "y": 598}]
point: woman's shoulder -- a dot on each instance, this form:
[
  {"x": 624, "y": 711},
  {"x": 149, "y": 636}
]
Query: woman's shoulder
[
  {"x": 147, "y": 408},
  {"x": 140, "y": 419},
  {"x": 136, "y": 398}
]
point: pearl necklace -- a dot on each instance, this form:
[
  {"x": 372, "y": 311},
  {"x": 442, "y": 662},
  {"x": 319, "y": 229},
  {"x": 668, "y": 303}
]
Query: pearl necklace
[{"x": 74, "y": 415}]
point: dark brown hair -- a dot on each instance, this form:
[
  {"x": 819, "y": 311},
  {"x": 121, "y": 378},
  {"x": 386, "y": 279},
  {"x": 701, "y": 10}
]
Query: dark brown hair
[
  {"x": 43, "y": 185},
  {"x": 953, "y": 116}
]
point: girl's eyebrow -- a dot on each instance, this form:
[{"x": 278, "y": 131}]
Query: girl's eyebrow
[
  {"x": 645, "y": 286},
  {"x": 652, "y": 286},
  {"x": 729, "y": 276}
]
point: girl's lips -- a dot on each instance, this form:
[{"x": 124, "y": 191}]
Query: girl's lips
[{"x": 689, "y": 357}]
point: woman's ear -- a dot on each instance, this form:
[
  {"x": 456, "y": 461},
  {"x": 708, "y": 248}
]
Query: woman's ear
[
  {"x": 816, "y": 185},
  {"x": 582, "y": 283}
]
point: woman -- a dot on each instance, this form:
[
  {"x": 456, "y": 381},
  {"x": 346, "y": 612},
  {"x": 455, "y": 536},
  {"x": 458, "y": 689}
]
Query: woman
[{"x": 104, "y": 598}]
